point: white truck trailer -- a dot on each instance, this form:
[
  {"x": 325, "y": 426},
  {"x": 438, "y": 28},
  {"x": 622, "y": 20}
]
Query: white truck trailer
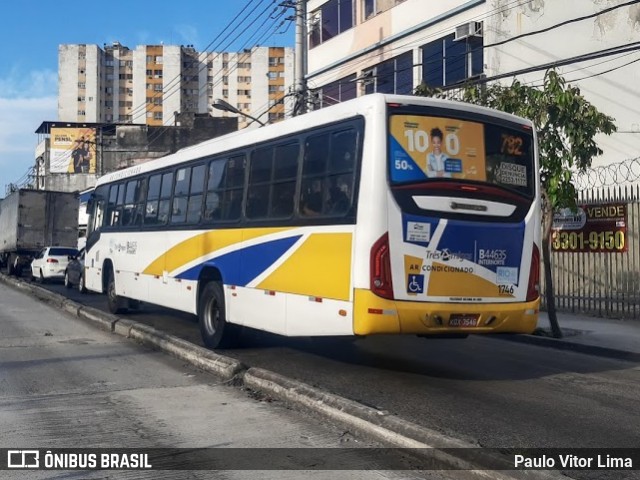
[{"x": 33, "y": 219}]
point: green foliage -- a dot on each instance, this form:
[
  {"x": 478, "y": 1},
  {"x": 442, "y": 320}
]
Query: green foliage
[{"x": 566, "y": 122}]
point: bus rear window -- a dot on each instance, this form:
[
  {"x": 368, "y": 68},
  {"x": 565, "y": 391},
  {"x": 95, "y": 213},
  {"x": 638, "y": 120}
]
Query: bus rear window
[{"x": 422, "y": 148}]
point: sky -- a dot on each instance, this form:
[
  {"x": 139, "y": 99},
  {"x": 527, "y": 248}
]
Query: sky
[{"x": 30, "y": 33}]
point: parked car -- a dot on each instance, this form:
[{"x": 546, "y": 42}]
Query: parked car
[
  {"x": 51, "y": 263},
  {"x": 74, "y": 274}
]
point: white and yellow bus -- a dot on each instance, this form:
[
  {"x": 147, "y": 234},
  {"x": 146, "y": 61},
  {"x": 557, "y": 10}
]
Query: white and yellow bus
[{"x": 381, "y": 215}]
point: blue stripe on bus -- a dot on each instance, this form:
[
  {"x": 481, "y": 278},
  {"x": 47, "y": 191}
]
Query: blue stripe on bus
[{"x": 242, "y": 266}]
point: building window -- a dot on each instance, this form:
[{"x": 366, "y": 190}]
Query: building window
[
  {"x": 157, "y": 115},
  {"x": 333, "y": 18},
  {"x": 276, "y": 117},
  {"x": 336, "y": 92},
  {"x": 81, "y": 85},
  {"x": 393, "y": 76},
  {"x": 81, "y": 113},
  {"x": 447, "y": 61},
  {"x": 374, "y": 7}
]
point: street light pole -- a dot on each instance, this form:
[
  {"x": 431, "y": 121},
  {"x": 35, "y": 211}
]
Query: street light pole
[
  {"x": 220, "y": 104},
  {"x": 300, "y": 70}
]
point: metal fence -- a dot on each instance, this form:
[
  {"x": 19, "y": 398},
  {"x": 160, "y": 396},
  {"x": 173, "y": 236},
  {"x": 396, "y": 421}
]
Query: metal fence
[{"x": 603, "y": 284}]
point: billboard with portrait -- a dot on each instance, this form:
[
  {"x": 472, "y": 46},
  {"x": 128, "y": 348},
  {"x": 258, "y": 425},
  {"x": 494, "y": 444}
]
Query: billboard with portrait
[{"x": 73, "y": 150}]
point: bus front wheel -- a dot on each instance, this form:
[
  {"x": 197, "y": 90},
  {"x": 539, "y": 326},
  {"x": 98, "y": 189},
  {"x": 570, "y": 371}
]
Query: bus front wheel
[
  {"x": 215, "y": 330},
  {"x": 116, "y": 302}
]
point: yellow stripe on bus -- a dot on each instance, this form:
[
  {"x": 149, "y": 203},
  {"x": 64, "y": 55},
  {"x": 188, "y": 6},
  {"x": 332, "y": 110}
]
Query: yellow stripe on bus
[
  {"x": 203, "y": 244},
  {"x": 320, "y": 267}
]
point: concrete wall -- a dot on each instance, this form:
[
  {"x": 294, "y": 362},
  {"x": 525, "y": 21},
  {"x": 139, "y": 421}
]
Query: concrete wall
[
  {"x": 68, "y": 82},
  {"x": 614, "y": 92}
]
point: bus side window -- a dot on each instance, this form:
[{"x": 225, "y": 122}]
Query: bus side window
[
  {"x": 340, "y": 199},
  {"x": 285, "y": 171},
  {"x": 153, "y": 194},
  {"x": 260, "y": 174},
  {"x": 313, "y": 195},
  {"x": 164, "y": 204}
]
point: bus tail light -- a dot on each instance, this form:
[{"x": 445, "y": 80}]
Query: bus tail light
[
  {"x": 533, "y": 287},
  {"x": 380, "y": 270}
]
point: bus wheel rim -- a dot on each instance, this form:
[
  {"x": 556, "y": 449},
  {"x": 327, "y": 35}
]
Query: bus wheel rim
[{"x": 212, "y": 317}]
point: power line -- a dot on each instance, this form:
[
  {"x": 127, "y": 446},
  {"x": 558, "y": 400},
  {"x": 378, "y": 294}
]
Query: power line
[
  {"x": 558, "y": 25},
  {"x": 172, "y": 88},
  {"x": 427, "y": 61},
  {"x": 268, "y": 32}
]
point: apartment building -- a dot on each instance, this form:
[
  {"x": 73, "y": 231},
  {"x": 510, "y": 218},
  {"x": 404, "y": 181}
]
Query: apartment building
[
  {"x": 151, "y": 84},
  {"x": 356, "y": 47}
]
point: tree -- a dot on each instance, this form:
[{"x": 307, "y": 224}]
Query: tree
[{"x": 567, "y": 125}]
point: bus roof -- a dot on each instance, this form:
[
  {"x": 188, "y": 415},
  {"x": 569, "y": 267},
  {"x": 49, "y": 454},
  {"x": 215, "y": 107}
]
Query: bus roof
[{"x": 359, "y": 106}]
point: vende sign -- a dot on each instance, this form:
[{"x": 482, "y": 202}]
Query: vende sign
[{"x": 591, "y": 228}]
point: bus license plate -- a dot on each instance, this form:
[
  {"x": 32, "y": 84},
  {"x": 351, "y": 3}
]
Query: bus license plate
[{"x": 463, "y": 320}]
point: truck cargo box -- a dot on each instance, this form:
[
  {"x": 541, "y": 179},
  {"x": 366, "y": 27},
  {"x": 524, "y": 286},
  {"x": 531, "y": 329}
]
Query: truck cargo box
[{"x": 33, "y": 219}]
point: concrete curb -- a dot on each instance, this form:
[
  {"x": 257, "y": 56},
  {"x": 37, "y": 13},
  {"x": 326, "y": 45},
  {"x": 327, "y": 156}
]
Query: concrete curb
[
  {"x": 384, "y": 427},
  {"x": 561, "y": 344},
  {"x": 374, "y": 423},
  {"x": 225, "y": 367}
]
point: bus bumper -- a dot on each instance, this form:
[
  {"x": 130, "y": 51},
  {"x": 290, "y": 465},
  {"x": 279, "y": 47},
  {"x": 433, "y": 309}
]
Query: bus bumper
[{"x": 376, "y": 315}]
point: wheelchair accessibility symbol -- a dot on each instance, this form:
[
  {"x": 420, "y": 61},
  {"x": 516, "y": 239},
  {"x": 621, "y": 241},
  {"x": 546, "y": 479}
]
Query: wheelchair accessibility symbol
[{"x": 415, "y": 284}]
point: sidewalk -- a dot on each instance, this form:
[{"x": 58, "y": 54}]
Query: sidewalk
[{"x": 605, "y": 337}]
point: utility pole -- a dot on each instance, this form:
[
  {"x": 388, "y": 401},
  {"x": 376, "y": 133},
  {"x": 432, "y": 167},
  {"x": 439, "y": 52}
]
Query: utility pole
[{"x": 301, "y": 58}]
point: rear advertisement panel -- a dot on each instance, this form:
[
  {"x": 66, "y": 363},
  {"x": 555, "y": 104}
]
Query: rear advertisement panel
[
  {"x": 425, "y": 147},
  {"x": 591, "y": 228},
  {"x": 73, "y": 150}
]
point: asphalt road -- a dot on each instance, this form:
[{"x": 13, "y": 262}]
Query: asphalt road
[
  {"x": 484, "y": 390},
  {"x": 65, "y": 384}
]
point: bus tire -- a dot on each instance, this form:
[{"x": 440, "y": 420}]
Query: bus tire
[
  {"x": 116, "y": 302},
  {"x": 216, "y": 332}
]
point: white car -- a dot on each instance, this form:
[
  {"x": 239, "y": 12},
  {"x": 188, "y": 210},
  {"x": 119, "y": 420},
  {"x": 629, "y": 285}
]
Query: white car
[{"x": 51, "y": 263}]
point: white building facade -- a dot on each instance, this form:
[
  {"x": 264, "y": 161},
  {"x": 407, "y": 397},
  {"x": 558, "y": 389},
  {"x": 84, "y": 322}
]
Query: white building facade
[{"x": 357, "y": 47}]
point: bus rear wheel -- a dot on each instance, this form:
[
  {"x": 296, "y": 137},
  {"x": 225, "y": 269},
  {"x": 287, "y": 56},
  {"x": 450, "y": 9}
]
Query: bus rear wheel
[
  {"x": 215, "y": 330},
  {"x": 116, "y": 302}
]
